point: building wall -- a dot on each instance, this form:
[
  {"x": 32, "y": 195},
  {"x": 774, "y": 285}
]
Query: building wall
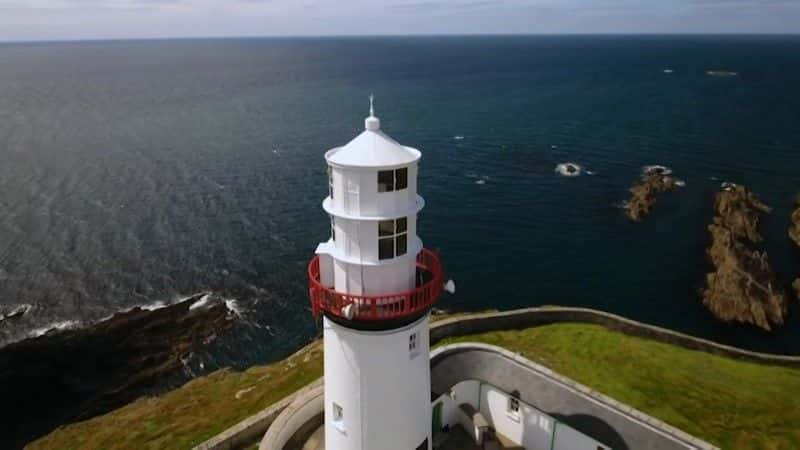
[
  {"x": 531, "y": 428},
  {"x": 381, "y": 385}
]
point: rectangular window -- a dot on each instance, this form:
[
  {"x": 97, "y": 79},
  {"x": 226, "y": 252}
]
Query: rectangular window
[
  {"x": 392, "y": 238},
  {"x": 333, "y": 228},
  {"x": 400, "y": 179},
  {"x": 513, "y": 405},
  {"x": 338, "y": 417},
  {"x": 338, "y": 413},
  {"x": 386, "y": 181},
  {"x": 386, "y": 248},
  {"x": 386, "y": 228},
  {"x": 400, "y": 244},
  {"x": 393, "y": 180}
]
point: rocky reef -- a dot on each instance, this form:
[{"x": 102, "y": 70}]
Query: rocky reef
[
  {"x": 742, "y": 288},
  {"x": 794, "y": 225},
  {"x": 73, "y": 375},
  {"x": 794, "y": 235},
  {"x": 654, "y": 180}
]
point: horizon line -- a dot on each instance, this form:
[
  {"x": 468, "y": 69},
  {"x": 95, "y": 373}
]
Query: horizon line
[{"x": 350, "y": 36}]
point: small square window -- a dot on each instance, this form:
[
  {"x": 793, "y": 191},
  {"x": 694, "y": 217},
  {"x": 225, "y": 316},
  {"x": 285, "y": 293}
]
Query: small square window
[
  {"x": 513, "y": 405},
  {"x": 401, "y": 246},
  {"x": 401, "y": 179},
  {"x": 386, "y": 181},
  {"x": 386, "y": 228},
  {"x": 338, "y": 413},
  {"x": 386, "y": 248},
  {"x": 402, "y": 225}
]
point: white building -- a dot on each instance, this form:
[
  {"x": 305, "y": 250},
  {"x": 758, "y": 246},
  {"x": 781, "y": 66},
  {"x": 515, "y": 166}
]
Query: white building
[{"x": 375, "y": 284}]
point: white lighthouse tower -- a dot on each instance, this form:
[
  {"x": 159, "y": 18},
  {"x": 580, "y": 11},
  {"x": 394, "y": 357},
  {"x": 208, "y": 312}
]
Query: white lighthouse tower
[{"x": 375, "y": 284}]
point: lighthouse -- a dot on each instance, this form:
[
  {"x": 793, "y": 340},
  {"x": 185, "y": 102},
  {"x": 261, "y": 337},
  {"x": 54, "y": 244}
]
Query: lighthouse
[{"x": 374, "y": 284}]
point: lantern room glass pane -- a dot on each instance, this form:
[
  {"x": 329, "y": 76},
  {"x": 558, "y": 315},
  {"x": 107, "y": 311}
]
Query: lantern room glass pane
[
  {"x": 386, "y": 181},
  {"x": 402, "y": 244},
  {"x": 386, "y": 228},
  {"x": 402, "y": 225},
  {"x": 401, "y": 179},
  {"x": 386, "y": 248}
]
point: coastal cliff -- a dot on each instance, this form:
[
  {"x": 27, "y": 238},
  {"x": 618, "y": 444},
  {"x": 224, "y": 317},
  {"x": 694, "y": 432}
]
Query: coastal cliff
[
  {"x": 742, "y": 288},
  {"x": 72, "y": 375},
  {"x": 654, "y": 180}
]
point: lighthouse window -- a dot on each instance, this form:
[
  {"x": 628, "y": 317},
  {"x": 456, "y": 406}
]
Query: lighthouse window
[
  {"x": 333, "y": 229},
  {"x": 392, "y": 238},
  {"x": 386, "y": 181},
  {"x": 330, "y": 181},
  {"x": 400, "y": 179},
  {"x": 392, "y": 180}
]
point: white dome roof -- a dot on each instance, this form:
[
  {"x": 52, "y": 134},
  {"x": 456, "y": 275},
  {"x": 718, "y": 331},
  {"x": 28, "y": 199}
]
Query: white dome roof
[{"x": 372, "y": 148}]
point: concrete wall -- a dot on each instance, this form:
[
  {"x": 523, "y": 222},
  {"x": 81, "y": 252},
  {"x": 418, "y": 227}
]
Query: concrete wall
[
  {"x": 304, "y": 409},
  {"x": 531, "y": 428},
  {"x": 530, "y": 317}
]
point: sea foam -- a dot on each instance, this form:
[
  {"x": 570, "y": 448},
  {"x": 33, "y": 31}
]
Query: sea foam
[{"x": 569, "y": 169}]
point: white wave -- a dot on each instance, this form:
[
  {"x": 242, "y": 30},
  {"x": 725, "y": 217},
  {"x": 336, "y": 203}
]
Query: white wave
[
  {"x": 154, "y": 306},
  {"x": 668, "y": 71},
  {"x": 234, "y": 307},
  {"x": 589, "y": 172},
  {"x": 16, "y": 311},
  {"x": 713, "y": 178},
  {"x": 458, "y": 137},
  {"x": 656, "y": 169},
  {"x": 727, "y": 185},
  {"x": 680, "y": 183},
  {"x": 480, "y": 181},
  {"x": 63, "y": 325},
  {"x": 721, "y": 73},
  {"x": 569, "y": 169},
  {"x": 203, "y": 302},
  {"x": 553, "y": 146}
]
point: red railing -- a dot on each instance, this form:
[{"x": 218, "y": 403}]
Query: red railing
[{"x": 379, "y": 307}]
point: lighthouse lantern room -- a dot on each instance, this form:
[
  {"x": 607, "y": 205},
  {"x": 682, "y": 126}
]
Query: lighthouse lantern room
[{"x": 374, "y": 284}]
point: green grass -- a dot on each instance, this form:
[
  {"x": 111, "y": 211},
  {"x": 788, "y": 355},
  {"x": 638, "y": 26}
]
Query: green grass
[
  {"x": 193, "y": 413},
  {"x": 733, "y": 404}
]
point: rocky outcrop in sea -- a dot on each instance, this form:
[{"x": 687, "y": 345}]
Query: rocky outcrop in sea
[
  {"x": 654, "y": 180},
  {"x": 794, "y": 235},
  {"x": 69, "y": 375},
  {"x": 742, "y": 288}
]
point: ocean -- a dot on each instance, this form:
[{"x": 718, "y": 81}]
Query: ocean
[{"x": 142, "y": 172}]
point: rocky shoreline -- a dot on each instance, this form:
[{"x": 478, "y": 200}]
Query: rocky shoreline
[
  {"x": 742, "y": 287},
  {"x": 72, "y": 375},
  {"x": 654, "y": 180}
]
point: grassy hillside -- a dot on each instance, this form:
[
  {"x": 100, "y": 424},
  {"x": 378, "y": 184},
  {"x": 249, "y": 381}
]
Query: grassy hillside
[
  {"x": 193, "y": 413},
  {"x": 732, "y": 404}
]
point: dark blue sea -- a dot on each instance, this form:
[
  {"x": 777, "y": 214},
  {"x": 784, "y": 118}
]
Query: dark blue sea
[{"x": 142, "y": 172}]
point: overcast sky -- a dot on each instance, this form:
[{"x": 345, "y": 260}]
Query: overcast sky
[{"x": 90, "y": 19}]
